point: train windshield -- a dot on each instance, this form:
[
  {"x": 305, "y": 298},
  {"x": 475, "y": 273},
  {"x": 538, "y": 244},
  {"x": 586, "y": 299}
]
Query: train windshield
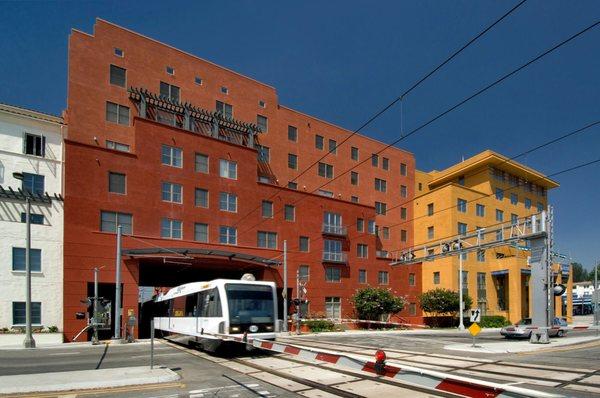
[{"x": 249, "y": 303}]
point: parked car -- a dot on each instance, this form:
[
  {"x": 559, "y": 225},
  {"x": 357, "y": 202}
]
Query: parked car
[{"x": 522, "y": 329}]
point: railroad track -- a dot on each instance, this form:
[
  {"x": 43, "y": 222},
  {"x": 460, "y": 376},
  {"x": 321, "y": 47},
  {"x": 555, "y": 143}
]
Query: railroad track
[{"x": 550, "y": 378}]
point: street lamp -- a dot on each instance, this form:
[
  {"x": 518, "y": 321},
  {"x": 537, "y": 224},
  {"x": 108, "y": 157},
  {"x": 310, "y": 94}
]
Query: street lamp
[{"x": 29, "y": 342}]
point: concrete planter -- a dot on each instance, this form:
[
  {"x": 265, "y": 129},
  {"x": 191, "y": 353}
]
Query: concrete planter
[{"x": 41, "y": 339}]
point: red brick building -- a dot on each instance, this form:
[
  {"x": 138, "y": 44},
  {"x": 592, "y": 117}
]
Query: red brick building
[{"x": 199, "y": 165}]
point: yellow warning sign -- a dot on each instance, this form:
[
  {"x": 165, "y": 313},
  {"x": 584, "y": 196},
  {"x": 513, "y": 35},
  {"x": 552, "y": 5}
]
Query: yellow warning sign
[{"x": 474, "y": 329}]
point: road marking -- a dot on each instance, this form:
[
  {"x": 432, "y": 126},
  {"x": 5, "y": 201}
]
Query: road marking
[
  {"x": 230, "y": 387},
  {"x": 104, "y": 390},
  {"x": 63, "y": 353}
]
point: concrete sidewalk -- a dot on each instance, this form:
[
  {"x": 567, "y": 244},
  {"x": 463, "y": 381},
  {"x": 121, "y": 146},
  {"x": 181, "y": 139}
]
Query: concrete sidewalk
[
  {"x": 513, "y": 346},
  {"x": 85, "y": 379}
]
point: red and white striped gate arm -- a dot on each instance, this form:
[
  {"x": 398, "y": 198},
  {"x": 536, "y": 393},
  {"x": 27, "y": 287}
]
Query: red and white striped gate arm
[{"x": 430, "y": 379}]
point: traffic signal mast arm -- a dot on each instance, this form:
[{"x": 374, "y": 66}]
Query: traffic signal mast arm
[{"x": 524, "y": 229}]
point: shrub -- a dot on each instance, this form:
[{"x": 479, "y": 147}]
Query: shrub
[
  {"x": 52, "y": 329},
  {"x": 321, "y": 325},
  {"x": 442, "y": 302},
  {"x": 370, "y": 303},
  {"x": 493, "y": 321}
]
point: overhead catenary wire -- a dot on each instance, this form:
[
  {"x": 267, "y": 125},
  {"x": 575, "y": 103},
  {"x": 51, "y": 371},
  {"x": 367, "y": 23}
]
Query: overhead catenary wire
[
  {"x": 400, "y": 99},
  {"x": 449, "y": 110}
]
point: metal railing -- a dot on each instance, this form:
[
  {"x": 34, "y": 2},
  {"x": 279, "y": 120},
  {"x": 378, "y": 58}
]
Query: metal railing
[
  {"x": 335, "y": 257},
  {"x": 334, "y": 229}
]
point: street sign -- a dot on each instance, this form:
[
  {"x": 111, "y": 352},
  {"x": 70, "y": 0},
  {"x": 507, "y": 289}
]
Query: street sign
[
  {"x": 474, "y": 329},
  {"x": 475, "y": 315}
]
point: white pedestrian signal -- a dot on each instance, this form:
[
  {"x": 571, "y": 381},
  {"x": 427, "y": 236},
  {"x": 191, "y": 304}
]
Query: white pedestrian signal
[{"x": 475, "y": 315}]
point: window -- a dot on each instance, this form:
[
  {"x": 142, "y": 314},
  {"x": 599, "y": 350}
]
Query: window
[
  {"x": 171, "y": 156},
  {"x": 540, "y": 206},
  {"x": 465, "y": 283},
  {"x": 371, "y": 227},
  {"x": 385, "y": 163},
  {"x": 462, "y": 228},
  {"x": 499, "y": 235},
  {"x": 461, "y": 180},
  {"x": 201, "y": 198},
  {"x": 227, "y": 235},
  {"x": 333, "y": 274},
  {"x": 430, "y": 209},
  {"x": 201, "y": 163},
  {"x": 292, "y": 185},
  {"x": 292, "y": 134},
  {"x": 499, "y": 193},
  {"x": 514, "y": 198},
  {"x": 403, "y": 191},
  {"x": 380, "y": 185},
  {"x": 481, "y": 256},
  {"x": 304, "y": 243},
  {"x": 380, "y": 208},
  {"x": 353, "y": 178},
  {"x": 354, "y": 199},
  {"x": 304, "y": 272},
  {"x": 201, "y": 232},
  {"x": 224, "y": 90},
  {"x": 412, "y": 309},
  {"x": 481, "y": 287},
  {"x": 362, "y": 250},
  {"x": 33, "y": 218},
  {"x": 332, "y": 146},
  {"x": 117, "y": 76},
  {"x": 116, "y": 182},
  {"x": 262, "y": 123},
  {"x": 332, "y": 250},
  {"x": 354, "y": 153},
  {"x": 386, "y": 232},
  {"x": 119, "y": 52},
  {"x": 264, "y": 179},
  {"x": 19, "y": 313},
  {"x": 499, "y": 215},
  {"x": 325, "y": 170},
  {"x": 319, "y": 142},
  {"x": 403, "y": 213},
  {"x": 374, "y": 160},
  {"x": 33, "y": 183},
  {"x": 362, "y": 276},
  {"x": 403, "y": 235},
  {"x": 228, "y": 169},
  {"x": 109, "y": 220},
  {"x": 360, "y": 224},
  {"x": 420, "y": 186},
  {"x": 527, "y": 203},
  {"x": 170, "y": 228},
  {"x": 170, "y": 70},
  {"x": 34, "y": 144},
  {"x": 169, "y": 91},
  {"x": 332, "y": 223},
  {"x": 225, "y": 109},
  {"x": 514, "y": 219},
  {"x": 333, "y": 307},
  {"x": 267, "y": 209},
  {"x": 480, "y": 210},
  {"x": 436, "y": 278},
  {"x": 411, "y": 279},
  {"x": 323, "y": 192},
  {"x": 171, "y": 192},
  {"x": 430, "y": 232},
  {"x": 292, "y": 161},
  {"x": 403, "y": 171},
  {"x": 382, "y": 278},
  {"x": 116, "y": 113},
  {"x": 228, "y": 202},
  {"x": 267, "y": 240},
  {"x": 18, "y": 259},
  {"x": 117, "y": 146},
  {"x": 461, "y": 205},
  {"x": 289, "y": 213},
  {"x": 264, "y": 154},
  {"x": 198, "y": 80}
]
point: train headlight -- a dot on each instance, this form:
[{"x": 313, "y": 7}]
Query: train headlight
[
  {"x": 235, "y": 329},
  {"x": 269, "y": 328},
  {"x": 253, "y": 328}
]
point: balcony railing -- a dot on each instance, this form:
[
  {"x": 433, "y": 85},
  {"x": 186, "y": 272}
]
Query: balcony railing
[
  {"x": 382, "y": 254},
  {"x": 334, "y": 229},
  {"x": 335, "y": 257}
]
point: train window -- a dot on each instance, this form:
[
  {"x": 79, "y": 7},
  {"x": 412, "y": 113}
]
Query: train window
[
  {"x": 178, "y": 307},
  {"x": 191, "y": 305},
  {"x": 249, "y": 303},
  {"x": 212, "y": 304}
]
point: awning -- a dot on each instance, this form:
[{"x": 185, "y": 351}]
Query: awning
[
  {"x": 500, "y": 272},
  {"x": 200, "y": 252}
]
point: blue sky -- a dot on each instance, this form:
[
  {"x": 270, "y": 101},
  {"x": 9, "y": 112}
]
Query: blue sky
[{"x": 343, "y": 60}]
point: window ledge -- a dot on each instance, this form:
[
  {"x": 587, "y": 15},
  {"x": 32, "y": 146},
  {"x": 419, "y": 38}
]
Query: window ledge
[{"x": 18, "y": 272}]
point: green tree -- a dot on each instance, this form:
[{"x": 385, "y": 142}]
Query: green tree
[
  {"x": 442, "y": 302},
  {"x": 370, "y": 303},
  {"x": 580, "y": 274}
]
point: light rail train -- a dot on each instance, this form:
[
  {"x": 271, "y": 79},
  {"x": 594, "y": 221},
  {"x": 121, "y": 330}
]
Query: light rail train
[{"x": 190, "y": 313}]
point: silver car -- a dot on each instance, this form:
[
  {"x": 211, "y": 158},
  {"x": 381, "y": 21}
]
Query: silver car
[{"x": 523, "y": 328}]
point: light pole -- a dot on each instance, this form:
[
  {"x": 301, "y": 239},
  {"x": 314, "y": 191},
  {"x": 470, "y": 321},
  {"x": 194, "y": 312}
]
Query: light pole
[
  {"x": 461, "y": 324},
  {"x": 29, "y": 342},
  {"x": 118, "y": 286}
]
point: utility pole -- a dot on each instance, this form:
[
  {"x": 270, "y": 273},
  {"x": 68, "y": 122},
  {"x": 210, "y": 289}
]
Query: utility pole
[
  {"x": 29, "y": 342},
  {"x": 461, "y": 324},
  {"x": 118, "y": 286},
  {"x": 285, "y": 302},
  {"x": 549, "y": 278},
  {"x": 95, "y": 317},
  {"x": 596, "y": 296}
]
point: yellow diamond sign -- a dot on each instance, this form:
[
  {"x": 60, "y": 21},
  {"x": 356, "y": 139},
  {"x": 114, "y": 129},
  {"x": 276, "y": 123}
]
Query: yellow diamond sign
[{"x": 474, "y": 329}]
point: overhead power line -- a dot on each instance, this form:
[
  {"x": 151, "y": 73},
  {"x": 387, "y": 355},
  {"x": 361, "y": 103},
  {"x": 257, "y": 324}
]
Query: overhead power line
[
  {"x": 396, "y": 100},
  {"x": 452, "y": 108}
]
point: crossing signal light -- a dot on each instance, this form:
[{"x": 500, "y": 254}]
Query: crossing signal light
[
  {"x": 559, "y": 289},
  {"x": 380, "y": 358}
]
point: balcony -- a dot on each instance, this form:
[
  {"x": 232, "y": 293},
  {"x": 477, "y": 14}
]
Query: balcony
[
  {"x": 382, "y": 254},
  {"x": 335, "y": 257},
  {"x": 334, "y": 229}
]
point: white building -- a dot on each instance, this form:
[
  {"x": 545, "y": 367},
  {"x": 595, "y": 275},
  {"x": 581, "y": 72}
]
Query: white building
[{"x": 31, "y": 143}]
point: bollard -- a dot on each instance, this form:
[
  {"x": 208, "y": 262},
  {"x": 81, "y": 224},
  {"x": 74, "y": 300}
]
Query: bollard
[{"x": 152, "y": 344}]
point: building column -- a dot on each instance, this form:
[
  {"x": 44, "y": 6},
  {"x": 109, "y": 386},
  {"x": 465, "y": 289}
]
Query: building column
[{"x": 514, "y": 296}]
